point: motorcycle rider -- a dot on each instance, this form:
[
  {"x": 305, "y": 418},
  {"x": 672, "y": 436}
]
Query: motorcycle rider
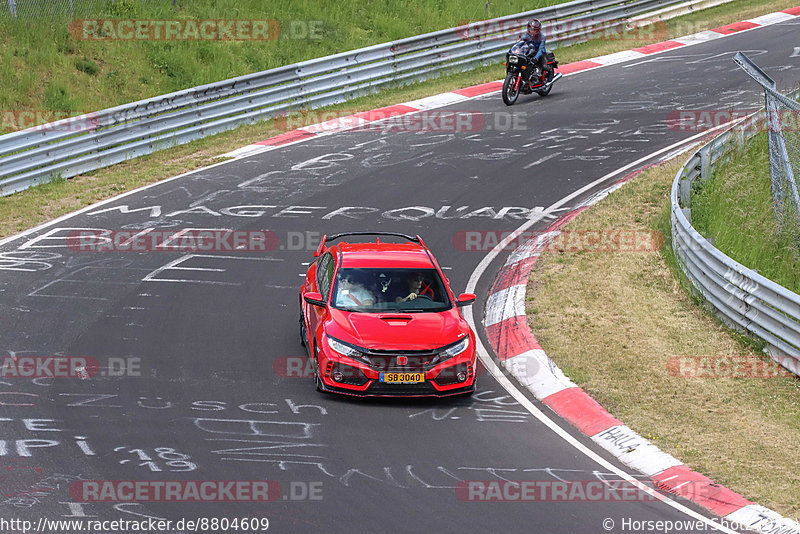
[{"x": 535, "y": 38}]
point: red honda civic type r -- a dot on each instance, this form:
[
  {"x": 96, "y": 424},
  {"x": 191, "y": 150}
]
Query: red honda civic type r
[{"x": 379, "y": 319}]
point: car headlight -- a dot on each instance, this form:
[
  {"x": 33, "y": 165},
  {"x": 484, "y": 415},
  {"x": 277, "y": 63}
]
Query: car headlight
[
  {"x": 453, "y": 350},
  {"x": 347, "y": 350}
]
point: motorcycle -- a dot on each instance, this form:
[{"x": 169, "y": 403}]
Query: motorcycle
[{"x": 523, "y": 75}]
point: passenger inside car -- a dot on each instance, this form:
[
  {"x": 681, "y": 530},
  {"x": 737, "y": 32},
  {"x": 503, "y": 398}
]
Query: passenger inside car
[{"x": 351, "y": 291}]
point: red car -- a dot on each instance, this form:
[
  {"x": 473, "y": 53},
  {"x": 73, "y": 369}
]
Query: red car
[{"x": 379, "y": 319}]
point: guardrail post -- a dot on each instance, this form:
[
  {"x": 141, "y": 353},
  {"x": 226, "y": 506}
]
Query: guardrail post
[
  {"x": 685, "y": 192},
  {"x": 12, "y": 7},
  {"x": 705, "y": 163}
]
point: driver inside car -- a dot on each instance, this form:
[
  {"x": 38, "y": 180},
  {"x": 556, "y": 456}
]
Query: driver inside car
[{"x": 417, "y": 287}]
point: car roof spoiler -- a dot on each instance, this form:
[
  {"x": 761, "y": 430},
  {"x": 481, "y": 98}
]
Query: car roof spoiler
[{"x": 327, "y": 239}]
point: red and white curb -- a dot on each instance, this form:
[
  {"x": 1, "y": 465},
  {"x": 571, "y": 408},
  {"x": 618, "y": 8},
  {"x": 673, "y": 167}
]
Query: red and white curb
[
  {"x": 357, "y": 120},
  {"x": 506, "y": 327}
]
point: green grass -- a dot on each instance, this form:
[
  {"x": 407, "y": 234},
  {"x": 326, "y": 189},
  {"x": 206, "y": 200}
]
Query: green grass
[
  {"x": 734, "y": 207},
  {"x": 44, "y": 67},
  {"x": 663, "y": 224}
]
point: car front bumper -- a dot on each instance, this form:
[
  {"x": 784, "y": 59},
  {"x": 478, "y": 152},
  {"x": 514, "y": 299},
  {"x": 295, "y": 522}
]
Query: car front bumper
[{"x": 378, "y": 389}]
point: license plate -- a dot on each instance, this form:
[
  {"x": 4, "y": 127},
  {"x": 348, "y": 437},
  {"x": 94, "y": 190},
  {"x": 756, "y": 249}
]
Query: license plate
[{"x": 402, "y": 378}]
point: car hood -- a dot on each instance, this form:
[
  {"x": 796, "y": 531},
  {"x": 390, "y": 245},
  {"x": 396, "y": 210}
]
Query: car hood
[{"x": 397, "y": 330}]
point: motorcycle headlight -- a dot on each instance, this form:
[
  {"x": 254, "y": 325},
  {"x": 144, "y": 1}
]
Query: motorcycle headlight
[
  {"x": 453, "y": 350},
  {"x": 347, "y": 350},
  {"x": 513, "y": 59}
]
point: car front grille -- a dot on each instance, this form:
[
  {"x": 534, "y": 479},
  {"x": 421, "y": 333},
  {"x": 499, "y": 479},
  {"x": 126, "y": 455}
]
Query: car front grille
[{"x": 416, "y": 361}]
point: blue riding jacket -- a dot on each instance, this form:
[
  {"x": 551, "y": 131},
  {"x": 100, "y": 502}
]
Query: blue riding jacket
[{"x": 537, "y": 45}]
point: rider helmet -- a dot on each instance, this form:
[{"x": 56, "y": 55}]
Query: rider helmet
[{"x": 534, "y": 27}]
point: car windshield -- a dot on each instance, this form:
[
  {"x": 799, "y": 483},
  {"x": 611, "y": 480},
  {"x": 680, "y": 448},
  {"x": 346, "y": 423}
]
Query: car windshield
[{"x": 377, "y": 290}]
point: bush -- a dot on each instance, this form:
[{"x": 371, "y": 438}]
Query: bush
[{"x": 88, "y": 66}]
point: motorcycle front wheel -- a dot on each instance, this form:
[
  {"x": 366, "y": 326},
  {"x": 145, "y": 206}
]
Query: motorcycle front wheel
[{"x": 511, "y": 89}]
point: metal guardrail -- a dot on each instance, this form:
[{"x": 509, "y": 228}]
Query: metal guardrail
[
  {"x": 742, "y": 298},
  {"x": 124, "y": 132}
]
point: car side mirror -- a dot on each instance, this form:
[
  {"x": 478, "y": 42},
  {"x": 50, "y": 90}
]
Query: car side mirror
[
  {"x": 465, "y": 299},
  {"x": 314, "y": 298}
]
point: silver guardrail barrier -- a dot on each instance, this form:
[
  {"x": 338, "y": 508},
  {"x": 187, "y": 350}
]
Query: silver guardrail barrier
[
  {"x": 742, "y": 298},
  {"x": 76, "y": 145}
]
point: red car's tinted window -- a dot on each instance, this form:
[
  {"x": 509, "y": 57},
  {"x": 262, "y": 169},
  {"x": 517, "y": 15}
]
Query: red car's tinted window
[
  {"x": 325, "y": 269},
  {"x": 368, "y": 290}
]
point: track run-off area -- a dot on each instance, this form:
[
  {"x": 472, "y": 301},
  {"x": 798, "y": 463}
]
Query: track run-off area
[{"x": 198, "y": 371}]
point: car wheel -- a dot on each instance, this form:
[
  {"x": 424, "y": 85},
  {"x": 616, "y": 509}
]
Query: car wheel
[
  {"x": 317, "y": 380},
  {"x": 303, "y": 332}
]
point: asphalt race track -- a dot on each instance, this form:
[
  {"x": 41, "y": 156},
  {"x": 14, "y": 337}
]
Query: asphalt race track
[{"x": 207, "y": 343}]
